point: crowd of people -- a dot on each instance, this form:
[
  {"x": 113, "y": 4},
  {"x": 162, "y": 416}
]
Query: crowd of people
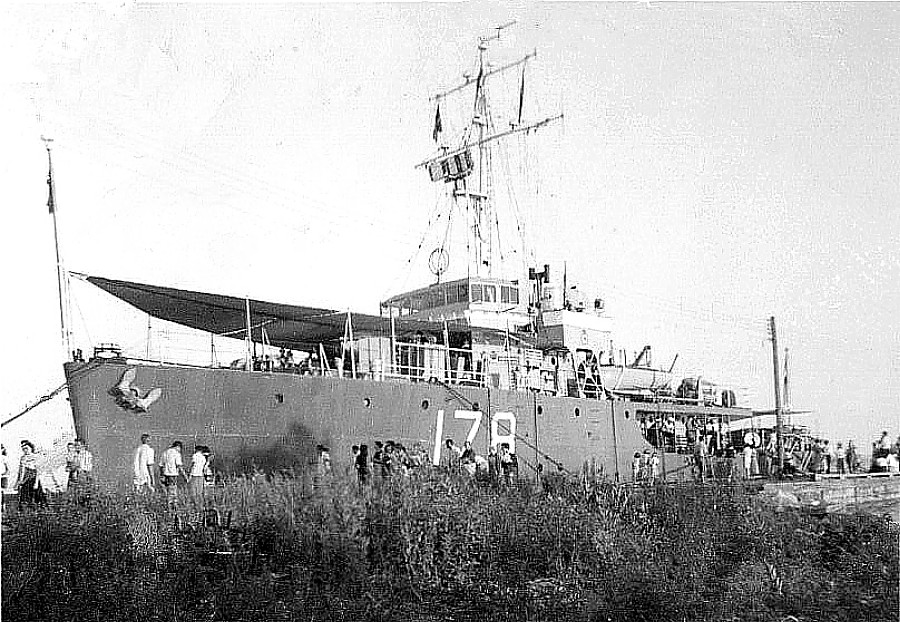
[
  {"x": 305, "y": 364},
  {"x": 802, "y": 455},
  {"x": 391, "y": 459},
  {"x": 645, "y": 467},
  {"x": 172, "y": 473},
  {"x": 34, "y": 468},
  {"x": 885, "y": 455}
]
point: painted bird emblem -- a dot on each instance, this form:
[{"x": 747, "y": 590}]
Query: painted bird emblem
[{"x": 128, "y": 395}]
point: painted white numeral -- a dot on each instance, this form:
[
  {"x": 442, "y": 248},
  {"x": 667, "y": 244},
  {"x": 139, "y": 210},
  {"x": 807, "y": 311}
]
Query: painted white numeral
[
  {"x": 475, "y": 416},
  {"x": 438, "y": 435},
  {"x": 498, "y": 438}
]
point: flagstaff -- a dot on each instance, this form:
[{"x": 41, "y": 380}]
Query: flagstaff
[{"x": 61, "y": 275}]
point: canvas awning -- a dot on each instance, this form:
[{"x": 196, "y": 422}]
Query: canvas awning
[{"x": 289, "y": 326}]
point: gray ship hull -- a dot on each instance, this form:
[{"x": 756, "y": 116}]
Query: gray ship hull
[{"x": 275, "y": 421}]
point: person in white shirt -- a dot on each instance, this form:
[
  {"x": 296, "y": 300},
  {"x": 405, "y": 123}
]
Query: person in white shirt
[
  {"x": 144, "y": 459},
  {"x": 199, "y": 465},
  {"x": 172, "y": 466},
  {"x": 654, "y": 467},
  {"x": 85, "y": 459},
  {"x": 892, "y": 464},
  {"x": 748, "y": 461}
]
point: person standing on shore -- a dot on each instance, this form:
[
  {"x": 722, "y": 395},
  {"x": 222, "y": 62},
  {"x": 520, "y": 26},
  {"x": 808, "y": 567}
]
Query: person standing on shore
[
  {"x": 80, "y": 465},
  {"x": 71, "y": 465},
  {"x": 747, "y": 455},
  {"x": 840, "y": 459},
  {"x": 323, "y": 461},
  {"x": 354, "y": 452},
  {"x": 852, "y": 458},
  {"x": 654, "y": 468},
  {"x": 144, "y": 460},
  {"x": 172, "y": 466},
  {"x": 362, "y": 464},
  {"x": 30, "y": 491},
  {"x": 85, "y": 461},
  {"x": 199, "y": 463}
]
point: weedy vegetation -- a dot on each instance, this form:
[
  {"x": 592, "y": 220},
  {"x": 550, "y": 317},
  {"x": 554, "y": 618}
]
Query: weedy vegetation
[{"x": 438, "y": 547}]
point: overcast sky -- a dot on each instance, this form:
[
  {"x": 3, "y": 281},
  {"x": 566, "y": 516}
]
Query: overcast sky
[{"x": 717, "y": 164}]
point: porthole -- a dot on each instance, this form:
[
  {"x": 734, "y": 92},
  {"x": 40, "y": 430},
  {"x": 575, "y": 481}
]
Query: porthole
[
  {"x": 425, "y": 404},
  {"x": 577, "y": 412},
  {"x": 627, "y": 415},
  {"x": 367, "y": 402},
  {"x": 475, "y": 406},
  {"x": 540, "y": 410}
]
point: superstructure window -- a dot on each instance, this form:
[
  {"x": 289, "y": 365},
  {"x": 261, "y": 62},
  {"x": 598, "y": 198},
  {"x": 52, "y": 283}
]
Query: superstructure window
[
  {"x": 490, "y": 293},
  {"x": 432, "y": 299},
  {"x": 452, "y": 294},
  {"x": 509, "y": 294},
  {"x": 477, "y": 292},
  {"x": 462, "y": 291}
]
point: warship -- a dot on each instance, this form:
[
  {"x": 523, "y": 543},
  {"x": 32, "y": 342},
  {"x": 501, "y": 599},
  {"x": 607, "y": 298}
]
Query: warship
[{"x": 489, "y": 357}]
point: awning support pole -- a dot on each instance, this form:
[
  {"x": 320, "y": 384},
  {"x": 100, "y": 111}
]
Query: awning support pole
[
  {"x": 350, "y": 334},
  {"x": 248, "y": 362}
]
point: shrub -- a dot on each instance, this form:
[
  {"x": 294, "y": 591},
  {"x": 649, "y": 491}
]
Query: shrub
[{"x": 437, "y": 547}]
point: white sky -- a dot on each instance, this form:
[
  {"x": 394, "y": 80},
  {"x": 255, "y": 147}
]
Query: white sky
[{"x": 718, "y": 164}]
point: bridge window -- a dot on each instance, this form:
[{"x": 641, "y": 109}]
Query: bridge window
[
  {"x": 434, "y": 298},
  {"x": 462, "y": 291},
  {"x": 477, "y": 292},
  {"x": 509, "y": 294},
  {"x": 452, "y": 293},
  {"x": 490, "y": 293}
]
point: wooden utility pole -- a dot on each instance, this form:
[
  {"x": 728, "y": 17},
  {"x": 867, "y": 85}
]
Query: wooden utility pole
[{"x": 778, "y": 415}]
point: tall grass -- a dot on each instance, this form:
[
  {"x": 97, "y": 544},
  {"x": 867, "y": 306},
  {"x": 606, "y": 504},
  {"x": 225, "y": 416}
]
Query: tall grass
[{"x": 439, "y": 547}]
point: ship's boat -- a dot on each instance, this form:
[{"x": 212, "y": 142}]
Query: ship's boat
[{"x": 488, "y": 358}]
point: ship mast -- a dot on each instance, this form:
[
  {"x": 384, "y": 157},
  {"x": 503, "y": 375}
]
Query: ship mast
[
  {"x": 479, "y": 200},
  {"x": 473, "y": 181}
]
